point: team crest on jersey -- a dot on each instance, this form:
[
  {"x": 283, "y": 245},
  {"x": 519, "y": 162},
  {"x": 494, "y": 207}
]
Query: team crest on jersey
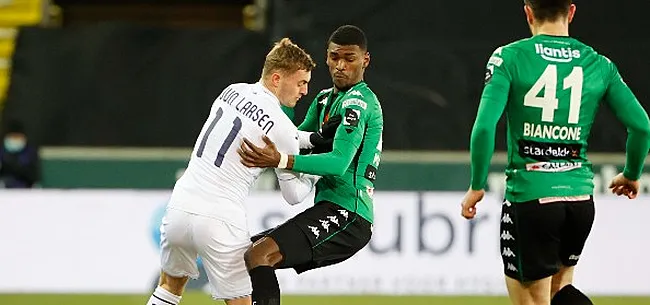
[{"x": 351, "y": 117}]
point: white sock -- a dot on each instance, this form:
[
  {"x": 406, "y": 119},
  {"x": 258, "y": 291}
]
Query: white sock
[{"x": 161, "y": 296}]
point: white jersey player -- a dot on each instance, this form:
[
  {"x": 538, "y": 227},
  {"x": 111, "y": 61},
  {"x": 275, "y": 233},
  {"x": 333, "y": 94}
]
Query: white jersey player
[{"x": 205, "y": 215}]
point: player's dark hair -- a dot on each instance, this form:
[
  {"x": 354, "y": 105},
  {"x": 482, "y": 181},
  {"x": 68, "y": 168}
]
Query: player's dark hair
[
  {"x": 349, "y": 35},
  {"x": 549, "y": 10}
]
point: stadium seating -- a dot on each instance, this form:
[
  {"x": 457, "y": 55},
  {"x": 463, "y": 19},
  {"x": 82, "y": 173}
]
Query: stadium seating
[{"x": 13, "y": 14}]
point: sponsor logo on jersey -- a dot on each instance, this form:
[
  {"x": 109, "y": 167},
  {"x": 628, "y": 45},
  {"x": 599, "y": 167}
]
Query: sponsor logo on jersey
[
  {"x": 548, "y": 151},
  {"x": 553, "y": 167},
  {"x": 556, "y": 54},
  {"x": 356, "y": 102},
  {"x": 496, "y": 61},
  {"x": 351, "y": 117}
]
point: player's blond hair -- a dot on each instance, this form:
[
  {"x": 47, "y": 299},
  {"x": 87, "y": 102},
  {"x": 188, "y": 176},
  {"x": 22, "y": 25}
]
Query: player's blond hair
[{"x": 287, "y": 57}]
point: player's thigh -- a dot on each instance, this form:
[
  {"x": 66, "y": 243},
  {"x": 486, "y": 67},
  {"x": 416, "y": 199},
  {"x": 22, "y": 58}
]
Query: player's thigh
[
  {"x": 222, "y": 247},
  {"x": 177, "y": 253},
  {"x": 579, "y": 221},
  {"x": 530, "y": 239}
]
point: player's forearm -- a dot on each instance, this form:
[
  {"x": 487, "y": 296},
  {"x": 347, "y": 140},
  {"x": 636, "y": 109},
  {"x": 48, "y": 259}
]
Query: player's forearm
[
  {"x": 638, "y": 143},
  {"x": 481, "y": 151},
  {"x": 295, "y": 187},
  {"x": 630, "y": 112},
  {"x": 334, "y": 163}
]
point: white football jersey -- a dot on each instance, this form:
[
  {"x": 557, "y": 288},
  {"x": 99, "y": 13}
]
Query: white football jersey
[{"x": 215, "y": 182}]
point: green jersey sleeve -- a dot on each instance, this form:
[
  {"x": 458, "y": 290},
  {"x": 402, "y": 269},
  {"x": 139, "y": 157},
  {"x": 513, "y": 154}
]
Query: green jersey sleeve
[
  {"x": 491, "y": 107},
  {"x": 347, "y": 140},
  {"x": 629, "y": 111},
  {"x": 310, "y": 123}
]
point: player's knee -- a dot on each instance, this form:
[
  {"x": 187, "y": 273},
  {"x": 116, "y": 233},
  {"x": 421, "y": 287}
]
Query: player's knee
[
  {"x": 255, "y": 257},
  {"x": 265, "y": 253}
]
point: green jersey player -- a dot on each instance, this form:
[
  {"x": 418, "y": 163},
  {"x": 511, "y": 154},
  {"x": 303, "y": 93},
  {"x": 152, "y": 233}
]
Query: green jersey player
[
  {"x": 550, "y": 87},
  {"x": 340, "y": 222}
]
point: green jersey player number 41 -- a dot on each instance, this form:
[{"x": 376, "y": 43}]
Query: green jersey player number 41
[{"x": 550, "y": 86}]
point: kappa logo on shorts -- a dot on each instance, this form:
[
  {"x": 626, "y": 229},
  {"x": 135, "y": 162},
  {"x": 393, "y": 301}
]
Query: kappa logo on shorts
[
  {"x": 334, "y": 220},
  {"x": 344, "y": 213},
  {"x": 512, "y": 267},
  {"x": 506, "y": 218},
  {"x": 507, "y": 252},
  {"x": 325, "y": 224},
  {"x": 505, "y": 235},
  {"x": 315, "y": 231},
  {"x": 507, "y": 203},
  {"x": 574, "y": 257}
]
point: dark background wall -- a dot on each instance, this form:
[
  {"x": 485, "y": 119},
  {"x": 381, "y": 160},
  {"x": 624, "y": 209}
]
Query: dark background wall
[{"x": 124, "y": 83}]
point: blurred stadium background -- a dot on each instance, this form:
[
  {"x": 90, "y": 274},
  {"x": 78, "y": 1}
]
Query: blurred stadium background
[{"x": 114, "y": 93}]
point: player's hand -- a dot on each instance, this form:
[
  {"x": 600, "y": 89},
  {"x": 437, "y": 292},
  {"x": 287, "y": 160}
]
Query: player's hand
[
  {"x": 623, "y": 186},
  {"x": 324, "y": 139},
  {"x": 470, "y": 200},
  {"x": 253, "y": 156}
]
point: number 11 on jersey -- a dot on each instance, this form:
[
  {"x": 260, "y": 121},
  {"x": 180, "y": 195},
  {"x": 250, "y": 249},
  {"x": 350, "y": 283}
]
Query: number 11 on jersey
[
  {"x": 549, "y": 102},
  {"x": 226, "y": 144}
]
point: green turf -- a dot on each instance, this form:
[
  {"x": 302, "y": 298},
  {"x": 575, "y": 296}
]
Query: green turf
[{"x": 202, "y": 299}]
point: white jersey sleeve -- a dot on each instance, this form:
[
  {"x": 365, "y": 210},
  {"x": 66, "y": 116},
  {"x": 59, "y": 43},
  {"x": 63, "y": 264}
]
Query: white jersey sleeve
[{"x": 295, "y": 187}]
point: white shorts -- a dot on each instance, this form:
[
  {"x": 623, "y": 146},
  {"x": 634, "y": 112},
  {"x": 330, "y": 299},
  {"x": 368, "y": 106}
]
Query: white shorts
[{"x": 221, "y": 246}]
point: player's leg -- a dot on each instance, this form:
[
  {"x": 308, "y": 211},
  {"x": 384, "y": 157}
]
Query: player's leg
[
  {"x": 529, "y": 293},
  {"x": 530, "y": 249},
  {"x": 178, "y": 258},
  {"x": 281, "y": 247},
  {"x": 221, "y": 247},
  {"x": 580, "y": 218}
]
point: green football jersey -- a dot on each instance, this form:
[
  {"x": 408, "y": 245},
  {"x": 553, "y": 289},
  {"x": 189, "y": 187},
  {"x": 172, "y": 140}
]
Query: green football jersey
[
  {"x": 550, "y": 88},
  {"x": 349, "y": 171}
]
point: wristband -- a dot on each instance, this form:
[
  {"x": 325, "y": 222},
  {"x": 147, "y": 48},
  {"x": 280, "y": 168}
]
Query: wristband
[{"x": 284, "y": 161}]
